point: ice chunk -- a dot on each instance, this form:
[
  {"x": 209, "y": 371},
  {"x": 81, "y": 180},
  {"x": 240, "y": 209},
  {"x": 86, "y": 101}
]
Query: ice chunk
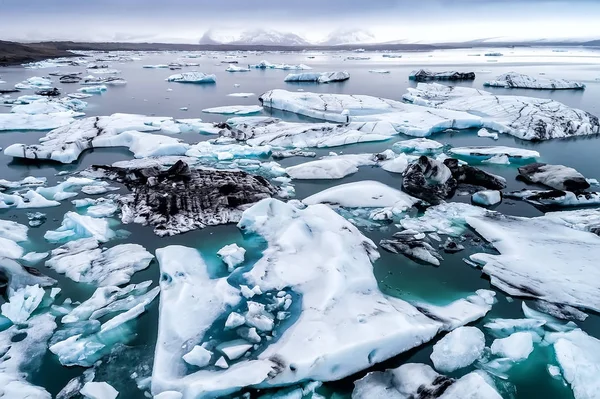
[
  {"x": 372, "y": 113},
  {"x": 274, "y": 132},
  {"x": 234, "y": 320},
  {"x": 198, "y": 357},
  {"x": 332, "y": 167},
  {"x": 583, "y": 219},
  {"x": 83, "y": 261},
  {"x": 192, "y": 77},
  {"x": 411, "y": 244},
  {"x": 20, "y": 277},
  {"x": 232, "y": 255},
  {"x": 324, "y": 77},
  {"x": 205, "y": 149},
  {"x": 487, "y": 197},
  {"x": 35, "y": 257},
  {"x": 516, "y": 347},
  {"x": 423, "y": 75},
  {"x": 267, "y": 65},
  {"x": 382, "y": 71},
  {"x": 234, "y": 349},
  {"x": 37, "y": 121},
  {"x": 487, "y": 153},
  {"x": 514, "y": 80},
  {"x": 363, "y": 194},
  {"x": 13, "y": 231},
  {"x": 75, "y": 226},
  {"x": 557, "y": 198},
  {"x": 102, "y": 209},
  {"x": 98, "y": 89},
  {"x": 10, "y": 249},
  {"x": 578, "y": 355},
  {"x": 143, "y": 144},
  {"x": 235, "y": 68},
  {"x": 99, "y": 390},
  {"x": 542, "y": 258},
  {"x": 458, "y": 349},
  {"x": 526, "y": 118},
  {"x": 413, "y": 380},
  {"x": 234, "y": 110},
  {"x": 22, "y": 303},
  {"x": 242, "y": 95},
  {"x": 558, "y": 177},
  {"x": 420, "y": 146},
  {"x": 505, "y": 327},
  {"x": 485, "y": 133}
]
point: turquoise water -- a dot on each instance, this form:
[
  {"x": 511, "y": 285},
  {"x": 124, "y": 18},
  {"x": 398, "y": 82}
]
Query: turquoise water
[{"x": 146, "y": 93}]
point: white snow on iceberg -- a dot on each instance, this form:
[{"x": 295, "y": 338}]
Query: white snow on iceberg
[
  {"x": 192, "y": 77},
  {"x": 514, "y": 80},
  {"x": 323, "y": 77}
]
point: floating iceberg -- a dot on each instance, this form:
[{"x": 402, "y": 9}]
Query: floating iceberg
[
  {"x": 423, "y": 75},
  {"x": 234, "y": 110},
  {"x": 420, "y": 146},
  {"x": 460, "y": 348},
  {"x": 487, "y": 197},
  {"x": 97, "y": 89},
  {"x": 557, "y": 198},
  {"x": 377, "y": 115},
  {"x": 558, "y": 177},
  {"x": 332, "y": 167},
  {"x": 421, "y": 381},
  {"x": 267, "y": 65},
  {"x": 480, "y": 153},
  {"x": 382, "y": 71},
  {"x": 235, "y": 68},
  {"x": 47, "y": 106},
  {"x": 298, "y": 135},
  {"x": 513, "y": 80},
  {"x": 20, "y": 277},
  {"x": 338, "y": 322},
  {"x": 179, "y": 199},
  {"x": 22, "y": 303},
  {"x": 323, "y": 77},
  {"x": 412, "y": 245},
  {"x": 485, "y": 133},
  {"x": 25, "y": 121},
  {"x": 526, "y": 118},
  {"x": 205, "y": 149},
  {"x": 192, "y": 77},
  {"x": 98, "y": 390},
  {"x": 516, "y": 347},
  {"x": 158, "y": 66},
  {"x": 242, "y": 95},
  {"x": 363, "y": 194},
  {"x": 75, "y": 226},
  {"x": 67, "y": 143},
  {"x": 446, "y": 218},
  {"x": 84, "y": 261},
  {"x": 541, "y": 258},
  {"x": 232, "y": 255}
]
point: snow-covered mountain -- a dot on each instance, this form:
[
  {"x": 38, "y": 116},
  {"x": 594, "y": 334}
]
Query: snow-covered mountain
[
  {"x": 349, "y": 36},
  {"x": 262, "y": 37}
]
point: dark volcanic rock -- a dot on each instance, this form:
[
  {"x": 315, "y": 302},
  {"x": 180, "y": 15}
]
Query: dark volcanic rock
[
  {"x": 180, "y": 199},
  {"x": 558, "y": 177},
  {"x": 48, "y": 93},
  {"x": 429, "y": 180},
  {"x": 412, "y": 245}
]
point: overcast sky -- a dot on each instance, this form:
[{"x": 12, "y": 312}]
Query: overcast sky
[{"x": 187, "y": 20}]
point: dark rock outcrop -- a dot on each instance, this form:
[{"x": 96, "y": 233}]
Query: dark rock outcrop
[
  {"x": 429, "y": 180},
  {"x": 465, "y": 174},
  {"x": 179, "y": 199},
  {"x": 48, "y": 93},
  {"x": 413, "y": 246}
]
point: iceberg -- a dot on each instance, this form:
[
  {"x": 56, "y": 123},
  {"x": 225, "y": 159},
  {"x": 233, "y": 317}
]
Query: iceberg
[
  {"x": 178, "y": 199},
  {"x": 223, "y": 152},
  {"x": 363, "y": 194},
  {"x": 22, "y": 303},
  {"x": 75, "y": 226},
  {"x": 67, "y": 143},
  {"x": 241, "y": 95},
  {"x": 235, "y": 68},
  {"x": 540, "y": 258},
  {"x": 93, "y": 89},
  {"x": 583, "y": 219},
  {"x": 234, "y": 110},
  {"x": 526, "y": 118},
  {"x": 20, "y": 277},
  {"x": 382, "y": 71},
  {"x": 323, "y": 77},
  {"x": 514, "y": 80},
  {"x": 192, "y": 77},
  {"x": 458, "y": 349},
  {"x": 446, "y": 218},
  {"x": 350, "y": 326},
  {"x": 487, "y": 197},
  {"x": 24, "y": 121},
  {"x": 368, "y": 113},
  {"x": 98, "y": 390},
  {"x": 232, "y": 255},
  {"x": 481, "y": 153},
  {"x": 485, "y": 133},
  {"x": 414, "y": 380},
  {"x": 271, "y": 131},
  {"x": 423, "y": 75},
  {"x": 557, "y": 198},
  {"x": 267, "y": 65},
  {"x": 412, "y": 245},
  {"x": 558, "y": 177},
  {"x": 46, "y": 106},
  {"x": 331, "y": 167},
  {"x": 84, "y": 261},
  {"x": 419, "y": 146},
  {"x": 516, "y": 347},
  {"x": 506, "y": 327},
  {"x": 577, "y": 354}
]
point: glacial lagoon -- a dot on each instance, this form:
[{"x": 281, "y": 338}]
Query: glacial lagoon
[{"x": 130, "y": 362}]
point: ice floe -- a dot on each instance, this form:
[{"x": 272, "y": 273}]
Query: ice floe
[
  {"x": 541, "y": 258},
  {"x": 487, "y": 197},
  {"x": 413, "y": 380},
  {"x": 526, "y": 118},
  {"x": 516, "y": 347},
  {"x": 486, "y": 133},
  {"x": 419, "y": 146},
  {"x": 459, "y": 348},
  {"x": 75, "y": 226},
  {"x": 235, "y": 68},
  {"x": 84, "y": 261},
  {"x": 234, "y": 110},
  {"x": 268, "y": 65},
  {"x": 323, "y": 77},
  {"x": 192, "y": 77},
  {"x": 232, "y": 255},
  {"x": 423, "y": 75},
  {"x": 25, "y": 121},
  {"x": 485, "y": 153},
  {"x": 337, "y": 321},
  {"x": 514, "y": 80},
  {"x": 93, "y": 89},
  {"x": 557, "y": 198},
  {"x": 558, "y": 177},
  {"x": 331, "y": 167}
]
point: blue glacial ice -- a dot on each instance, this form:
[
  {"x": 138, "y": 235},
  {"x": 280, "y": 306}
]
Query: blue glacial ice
[
  {"x": 75, "y": 226},
  {"x": 192, "y": 77}
]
